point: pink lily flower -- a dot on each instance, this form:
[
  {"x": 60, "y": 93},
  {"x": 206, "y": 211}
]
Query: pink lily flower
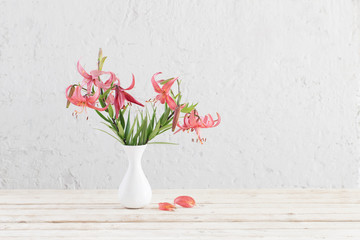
[
  {"x": 163, "y": 95},
  {"x": 93, "y": 78},
  {"x": 84, "y": 101},
  {"x": 121, "y": 96},
  {"x": 193, "y": 122}
]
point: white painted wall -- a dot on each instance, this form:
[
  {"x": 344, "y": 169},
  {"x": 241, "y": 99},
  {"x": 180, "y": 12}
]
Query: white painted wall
[{"x": 283, "y": 74}]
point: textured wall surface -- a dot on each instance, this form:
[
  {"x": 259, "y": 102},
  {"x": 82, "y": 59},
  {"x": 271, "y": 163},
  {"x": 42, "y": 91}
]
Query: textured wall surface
[{"x": 283, "y": 74}]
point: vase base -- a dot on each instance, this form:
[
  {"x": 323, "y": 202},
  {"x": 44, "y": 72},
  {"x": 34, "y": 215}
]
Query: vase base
[{"x": 134, "y": 206}]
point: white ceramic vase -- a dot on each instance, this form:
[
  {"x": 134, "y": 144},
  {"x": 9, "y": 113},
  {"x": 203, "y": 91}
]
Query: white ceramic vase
[{"x": 134, "y": 190}]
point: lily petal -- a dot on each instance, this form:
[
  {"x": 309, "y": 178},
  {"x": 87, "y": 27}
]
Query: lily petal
[
  {"x": 168, "y": 85},
  {"x": 131, "y": 99},
  {"x": 97, "y": 73},
  {"x": 218, "y": 120},
  {"x": 185, "y": 201},
  {"x": 192, "y": 118},
  {"x": 110, "y": 99},
  {"x": 77, "y": 96},
  {"x": 161, "y": 98},
  {"x": 82, "y": 71},
  {"x": 165, "y": 206},
  {"x": 116, "y": 101},
  {"x": 121, "y": 99},
  {"x": 92, "y": 99},
  {"x": 96, "y": 108},
  {"x": 155, "y": 84},
  {"x": 179, "y": 130},
  {"x": 171, "y": 102},
  {"x": 132, "y": 84}
]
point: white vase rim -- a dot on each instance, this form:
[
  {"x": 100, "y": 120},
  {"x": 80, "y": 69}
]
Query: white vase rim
[{"x": 135, "y": 145}]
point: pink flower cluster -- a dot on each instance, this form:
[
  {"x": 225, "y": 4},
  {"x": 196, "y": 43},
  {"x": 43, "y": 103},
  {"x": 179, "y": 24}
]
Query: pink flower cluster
[
  {"x": 193, "y": 122},
  {"x": 94, "y": 88},
  {"x": 90, "y": 99}
]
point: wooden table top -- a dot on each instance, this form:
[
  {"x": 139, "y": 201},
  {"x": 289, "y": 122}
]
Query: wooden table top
[{"x": 219, "y": 214}]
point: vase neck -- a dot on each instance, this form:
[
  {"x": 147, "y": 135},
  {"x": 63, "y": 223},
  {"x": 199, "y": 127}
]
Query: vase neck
[{"x": 134, "y": 153}]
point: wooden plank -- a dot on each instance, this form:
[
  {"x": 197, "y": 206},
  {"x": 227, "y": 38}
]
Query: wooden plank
[
  {"x": 219, "y": 214},
  {"x": 180, "y": 191},
  {"x": 99, "y": 193},
  {"x": 200, "y": 209},
  {"x": 190, "y": 217},
  {"x": 193, "y": 234},
  {"x": 91, "y": 198},
  {"x": 117, "y": 206},
  {"x": 214, "y": 193},
  {"x": 184, "y": 226}
]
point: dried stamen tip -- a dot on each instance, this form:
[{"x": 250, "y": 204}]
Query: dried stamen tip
[{"x": 151, "y": 100}]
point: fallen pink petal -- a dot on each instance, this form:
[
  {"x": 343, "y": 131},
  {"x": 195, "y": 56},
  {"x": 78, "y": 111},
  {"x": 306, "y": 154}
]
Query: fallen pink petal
[
  {"x": 165, "y": 206},
  {"x": 185, "y": 201}
]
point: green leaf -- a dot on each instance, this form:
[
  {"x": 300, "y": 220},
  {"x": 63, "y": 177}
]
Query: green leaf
[
  {"x": 131, "y": 131},
  {"x": 122, "y": 120},
  {"x": 110, "y": 111},
  {"x": 102, "y": 116},
  {"x": 165, "y": 115},
  {"x": 121, "y": 129},
  {"x": 137, "y": 123},
  {"x": 188, "y": 108},
  {"x": 165, "y": 128},
  {"x": 139, "y": 131},
  {"x": 166, "y": 81},
  {"x": 101, "y": 101},
  {"x": 151, "y": 125},
  {"x": 118, "y": 139},
  {"x": 155, "y": 132},
  {"x": 127, "y": 128},
  {"x": 172, "y": 94},
  {"x": 163, "y": 143},
  {"x": 168, "y": 121},
  {"x": 152, "y": 122},
  {"x": 114, "y": 129},
  {"x": 143, "y": 133}
]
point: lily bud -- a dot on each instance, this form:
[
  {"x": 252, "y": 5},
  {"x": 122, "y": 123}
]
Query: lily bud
[
  {"x": 100, "y": 53},
  {"x": 72, "y": 90},
  {"x": 176, "y": 117}
]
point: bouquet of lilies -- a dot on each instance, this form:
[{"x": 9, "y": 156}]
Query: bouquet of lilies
[{"x": 101, "y": 90}]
